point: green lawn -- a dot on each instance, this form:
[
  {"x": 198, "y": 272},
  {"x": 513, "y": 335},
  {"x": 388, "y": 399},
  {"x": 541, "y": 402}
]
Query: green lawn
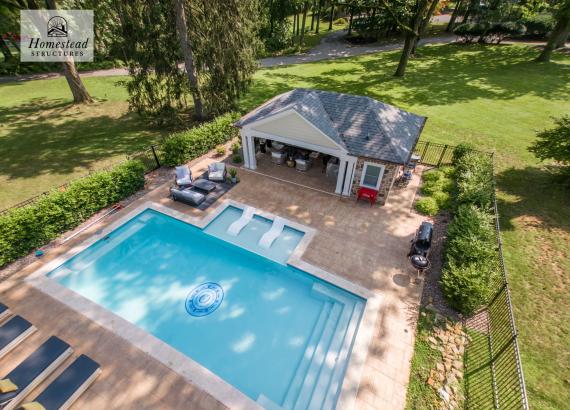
[
  {"x": 493, "y": 96},
  {"x": 45, "y": 142}
]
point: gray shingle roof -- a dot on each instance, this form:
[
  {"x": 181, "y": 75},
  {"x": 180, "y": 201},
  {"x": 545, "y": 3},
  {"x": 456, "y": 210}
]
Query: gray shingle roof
[{"x": 361, "y": 125}]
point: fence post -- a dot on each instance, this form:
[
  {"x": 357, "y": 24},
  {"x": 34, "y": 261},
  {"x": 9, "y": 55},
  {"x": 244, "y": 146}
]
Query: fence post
[
  {"x": 424, "y": 153},
  {"x": 442, "y": 155},
  {"x": 155, "y": 157}
]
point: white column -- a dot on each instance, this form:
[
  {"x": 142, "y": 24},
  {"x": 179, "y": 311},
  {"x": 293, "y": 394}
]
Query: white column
[
  {"x": 252, "y": 159},
  {"x": 340, "y": 177},
  {"x": 349, "y": 178},
  {"x": 245, "y": 149}
]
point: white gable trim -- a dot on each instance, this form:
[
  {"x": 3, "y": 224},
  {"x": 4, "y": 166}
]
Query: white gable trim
[{"x": 292, "y": 141}]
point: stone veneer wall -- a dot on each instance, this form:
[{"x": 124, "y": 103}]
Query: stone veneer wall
[{"x": 390, "y": 173}]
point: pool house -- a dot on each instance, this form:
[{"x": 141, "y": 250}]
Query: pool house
[{"x": 342, "y": 143}]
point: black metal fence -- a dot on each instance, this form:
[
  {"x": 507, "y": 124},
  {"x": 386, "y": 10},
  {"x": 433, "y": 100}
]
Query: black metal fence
[
  {"x": 493, "y": 369},
  {"x": 151, "y": 157}
]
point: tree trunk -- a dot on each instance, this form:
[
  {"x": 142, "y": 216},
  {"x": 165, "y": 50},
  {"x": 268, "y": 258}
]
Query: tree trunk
[
  {"x": 302, "y": 38},
  {"x": 470, "y": 9},
  {"x": 561, "y": 42},
  {"x": 454, "y": 16},
  {"x": 411, "y": 36},
  {"x": 319, "y": 4},
  {"x": 80, "y": 94},
  {"x": 424, "y": 25},
  {"x": 5, "y": 50},
  {"x": 294, "y": 25},
  {"x": 186, "y": 48},
  {"x": 561, "y": 27},
  {"x": 332, "y": 15},
  {"x": 313, "y": 15},
  {"x": 405, "y": 57},
  {"x": 350, "y": 21},
  {"x": 298, "y": 24},
  {"x": 271, "y": 23}
]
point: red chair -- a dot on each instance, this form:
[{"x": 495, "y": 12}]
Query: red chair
[{"x": 367, "y": 193}]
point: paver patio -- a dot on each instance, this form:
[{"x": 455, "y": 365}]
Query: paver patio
[{"x": 366, "y": 245}]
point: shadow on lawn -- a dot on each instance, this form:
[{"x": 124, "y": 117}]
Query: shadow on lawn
[
  {"x": 52, "y": 136},
  {"x": 537, "y": 196},
  {"x": 443, "y": 74}
]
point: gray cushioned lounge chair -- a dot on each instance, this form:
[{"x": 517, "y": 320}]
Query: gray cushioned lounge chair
[
  {"x": 35, "y": 369},
  {"x": 217, "y": 172},
  {"x": 69, "y": 385},
  {"x": 183, "y": 176},
  {"x": 187, "y": 196},
  {"x": 4, "y": 312},
  {"x": 13, "y": 332}
]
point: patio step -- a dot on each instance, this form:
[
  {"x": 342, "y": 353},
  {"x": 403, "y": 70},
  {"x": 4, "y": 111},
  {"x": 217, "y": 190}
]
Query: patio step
[
  {"x": 315, "y": 386},
  {"x": 332, "y": 391},
  {"x": 318, "y": 378}
]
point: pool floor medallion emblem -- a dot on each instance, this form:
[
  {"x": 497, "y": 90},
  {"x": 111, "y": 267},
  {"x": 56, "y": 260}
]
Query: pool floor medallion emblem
[{"x": 204, "y": 299}]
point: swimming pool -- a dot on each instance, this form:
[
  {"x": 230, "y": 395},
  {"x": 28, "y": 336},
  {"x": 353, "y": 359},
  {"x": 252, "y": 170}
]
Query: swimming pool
[{"x": 279, "y": 335}]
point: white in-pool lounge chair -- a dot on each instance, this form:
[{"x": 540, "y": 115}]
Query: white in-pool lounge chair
[
  {"x": 236, "y": 227},
  {"x": 69, "y": 385},
  {"x": 33, "y": 370},
  {"x": 269, "y": 237},
  {"x": 13, "y": 332},
  {"x": 183, "y": 176}
]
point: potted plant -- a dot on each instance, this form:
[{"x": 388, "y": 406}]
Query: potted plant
[{"x": 233, "y": 175}]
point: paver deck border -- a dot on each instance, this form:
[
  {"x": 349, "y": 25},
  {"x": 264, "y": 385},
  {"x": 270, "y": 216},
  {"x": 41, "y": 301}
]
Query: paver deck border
[{"x": 193, "y": 372}]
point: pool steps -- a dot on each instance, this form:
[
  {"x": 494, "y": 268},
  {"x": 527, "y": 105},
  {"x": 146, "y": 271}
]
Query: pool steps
[
  {"x": 269, "y": 237},
  {"x": 236, "y": 227},
  {"x": 317, "y": 381}
]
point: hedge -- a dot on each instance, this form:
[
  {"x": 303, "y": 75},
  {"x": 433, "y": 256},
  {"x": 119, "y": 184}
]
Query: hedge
[
  {"x": 29, "y": 227},
  {"x": 471, "y": 253},
  {"x": 474, "y": 179},
  {"x": 184, "y": 146}
]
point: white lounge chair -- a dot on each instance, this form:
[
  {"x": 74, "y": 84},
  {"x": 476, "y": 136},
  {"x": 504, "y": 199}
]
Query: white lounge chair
[
  {"x": 236, "y": 227},
  {"x": 269, "y": 237},
  {"x": 183, "y": 176},
  {"x": 217, "y": 172}
]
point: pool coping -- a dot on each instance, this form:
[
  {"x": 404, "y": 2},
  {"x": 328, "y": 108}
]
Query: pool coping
[{"x": 191, "y": 370}]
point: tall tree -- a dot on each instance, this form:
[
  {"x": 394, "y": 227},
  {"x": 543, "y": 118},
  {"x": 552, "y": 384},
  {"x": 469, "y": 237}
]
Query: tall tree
[
  {"x": 456, "y": 13},
  {"x": 78, "y": 90},
  {"x": 562, "y": 16},
  {"x": 331, "y": 15},
  {"x": 186, "y": 49},
  {"x": 302, "y": 38},
  {"x": 425, "y": 24},
  {"x": 416, "y": 12}
]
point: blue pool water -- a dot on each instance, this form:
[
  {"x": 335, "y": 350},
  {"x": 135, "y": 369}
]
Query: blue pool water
[{"x": 279, "y": 335}]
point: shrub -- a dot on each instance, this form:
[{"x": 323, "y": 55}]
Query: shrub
[
  {"x": 554, "y": 143},
  {"x": 471, "y": 236},
  {"x": 187, "y": 145},
  {"x": 469, "y": 31},
  {"x": 539, "y": 25},
  {"x": 432, "y": 176},
  {"x": 236, "y": 146},
  {"x": 427, "y": 206},
  {"x": 499, "y": 31},
  {"x": 340, "y": 22},
  {"x": 460, "y": 150},
  {"x": 443, "y": 199},
  {"x": 466, "y": 287},
  {"x": 447, "y": 171},
  {"x": 475, "y": 180},
  {"x": 24, "y": 229},
  {"x": 220, "y": 150},
  {"x": 236, "y": 159}
]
